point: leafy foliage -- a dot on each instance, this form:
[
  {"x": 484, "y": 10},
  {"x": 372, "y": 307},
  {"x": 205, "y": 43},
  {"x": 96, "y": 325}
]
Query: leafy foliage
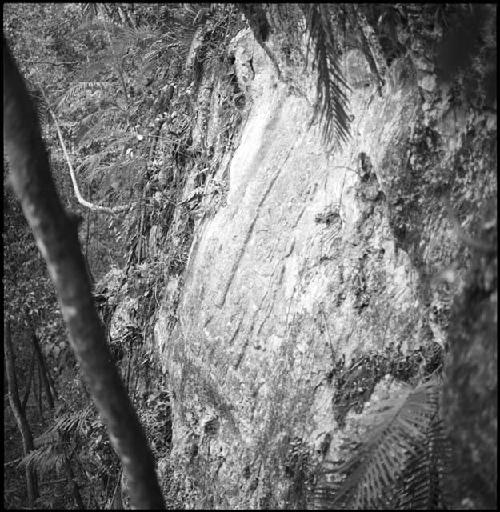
[
  {"x": 57, "y": 446},
  {"x": 289, "y": 25},
  {"x": 45, "y": 459},
  {"x": 331, "y": 86},
  {"x": 401, "y": 459},
  {"x": 67, "y": 423},
  {"x": 422, "y": 484},
  {"x": 47, "y": 455}
]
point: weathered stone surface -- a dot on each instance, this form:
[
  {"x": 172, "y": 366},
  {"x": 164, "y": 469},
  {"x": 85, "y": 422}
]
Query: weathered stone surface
[{"x": 312, "y": 257}]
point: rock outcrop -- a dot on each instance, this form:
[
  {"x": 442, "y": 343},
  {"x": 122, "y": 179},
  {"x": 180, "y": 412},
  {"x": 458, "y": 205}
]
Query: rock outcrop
[{"x": 316, "y": 261}]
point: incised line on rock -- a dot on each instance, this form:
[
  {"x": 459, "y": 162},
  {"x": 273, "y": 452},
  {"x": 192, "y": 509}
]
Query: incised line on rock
[{"x": 252, "y": 226}]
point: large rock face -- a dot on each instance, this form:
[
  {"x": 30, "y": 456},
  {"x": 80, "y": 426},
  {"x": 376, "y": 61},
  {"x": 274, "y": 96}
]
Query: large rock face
[{"x": 315, "y": 256}]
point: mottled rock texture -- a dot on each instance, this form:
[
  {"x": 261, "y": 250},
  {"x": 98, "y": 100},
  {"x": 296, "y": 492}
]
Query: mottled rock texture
[{"x": 314, "y": 256}]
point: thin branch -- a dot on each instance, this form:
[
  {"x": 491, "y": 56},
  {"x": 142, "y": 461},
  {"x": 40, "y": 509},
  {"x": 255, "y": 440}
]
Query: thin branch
[
  {"x": 19, "y": 413},
  {"x": 52, "y": 482},
  {"x": 64, "y": 63},
  {"x": 80, "y": 199},
  {"x": 116, "y": 500},
  {"x": 12, "y": 462}
]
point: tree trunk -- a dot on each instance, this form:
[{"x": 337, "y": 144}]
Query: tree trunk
[
  {"x": 19, "y": 413},
  {"x": 28, "y": 382},
  {"x": 38, "y": 390},
  {"x": 56, "y": 235},
  {"x": 72, "y": 482},
  {"x": 116, "y": 501},
  {"x": 42, "y": 367}
]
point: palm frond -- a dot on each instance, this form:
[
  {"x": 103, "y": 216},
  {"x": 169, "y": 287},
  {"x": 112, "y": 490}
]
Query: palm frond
[
  {"x": 331, "y": 88},
  {"x": 97, "y": 25},
  {"x": 142, "y": 36},
  {"x": 90, "y": 164},
  {"x": 127, "y": 169},
  {"x": 44, "y": 459},
  {"x": 76, "y": 90},
  {"x": 107, "y": 60},
  {"x": 330, "y": 107},
  {"x": 404, "y": 438},
  {"x": 88, "y": 121},
  {"x": 64, "y": 424},
  {"x": 101, "y": 131},
  {"x": 47, "y": 455},
  {"x": 421, "y": 485}
]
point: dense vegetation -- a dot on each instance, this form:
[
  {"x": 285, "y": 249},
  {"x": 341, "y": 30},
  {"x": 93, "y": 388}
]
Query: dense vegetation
[
  {"x": 73, "y": 57},
  {"x": 116, "y": 87}
]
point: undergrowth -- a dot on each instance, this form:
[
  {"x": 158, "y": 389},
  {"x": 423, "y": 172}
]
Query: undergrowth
[{"x": 399, "y": 459}]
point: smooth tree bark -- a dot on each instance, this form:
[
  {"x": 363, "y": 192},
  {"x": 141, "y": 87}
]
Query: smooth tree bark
[
  {"x": 19, "y": 413},
  {"x": 56, "y": 234}
]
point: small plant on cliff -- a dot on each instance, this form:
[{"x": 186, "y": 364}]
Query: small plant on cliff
[{"x": 399, "y": 462}]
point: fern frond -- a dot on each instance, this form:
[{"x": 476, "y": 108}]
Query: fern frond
[
  {"x": 89, "y": 120},
  {"x": 421, "y": 485},
  {"x": 90, "y": 163},
  {"x": 402, "y": 436},
  {"x": 106, "y": 61},
  {"x": 73, "y": 421},
  {"x": 44, "y": 459},
  {"x": 101, "y": 131},
  {"x": 126, "y": 168},
  {"x": 47, "y": 438},
  {"x": 64, "y": 424},
  {"x": 97, "y": 25},
  {"x": 141, "y": 36},
  {"x": 330, "y": 107},
  {"x": 79, "y": 89},
  {"x": 160, "y": 49},
  {"x": 331, "y": 88}
]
